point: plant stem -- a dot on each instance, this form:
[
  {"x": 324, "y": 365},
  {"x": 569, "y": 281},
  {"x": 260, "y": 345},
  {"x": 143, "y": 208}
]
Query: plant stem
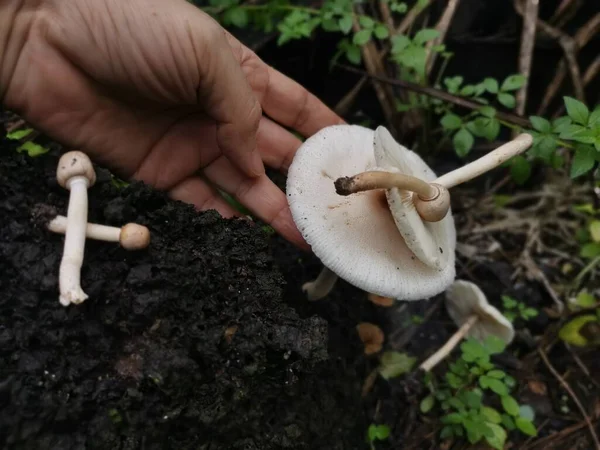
[{"x": 434, "y": 359}]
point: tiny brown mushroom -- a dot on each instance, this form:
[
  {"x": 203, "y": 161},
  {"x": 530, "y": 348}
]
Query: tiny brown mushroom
[
  {"x": 371, "y": 336},
  {"x": 381, "y": 300}
]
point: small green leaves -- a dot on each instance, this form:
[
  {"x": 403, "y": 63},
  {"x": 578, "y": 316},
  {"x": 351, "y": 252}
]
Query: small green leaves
[
  {"x": 345, "y": 23},
  {"x": 497, "y": 438},
  {"x": 32, "y": 149},
  {"x": 451, "y": 121},
  {"x": 19, "y": 134},
  {"x": 491, "y": 85},
  {"x": 362, "y": 37},
  {"x": 463, "y": 142},
  {"x": 540, "y": 124},
  {"x": 576, "y": 110},
  {"x": 427, "y": 404},
  {"x": 512, "y": 83},
  {"x": 583, "y": 160},
  {"x": 394, "y": 364},
  {"x": 425, "y": 35},
  {"x": 526, "y": 426},
  {"x": 520, "y": 169},
  {"x": 510, "y": 405},
  {"x": 378, "y": 432},
  {"x": 507, "y": 99}
]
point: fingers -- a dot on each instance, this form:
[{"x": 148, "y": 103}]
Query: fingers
[
  {"x": 204, "y": 197},
  {"x": 288, "y": 103},
  {"x": 260, "y": 195},
  {"x": 277, "y": 145},
  {"x": 226, "y": 95}
]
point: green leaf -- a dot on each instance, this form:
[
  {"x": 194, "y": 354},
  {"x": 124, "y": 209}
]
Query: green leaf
[
  {"x": 463, "y": 142},
  {"x": 594, "y": 228},
  {"x": 583, "y": 161},
  {"x": 558, "y": 125},
  {"x": 488, "y": 111},
  {"x": 427, "y": 404},
  {"x": 493, "y": 384},
  {"x": 507, "y": 100},
  {"x": 494, "y": 344},
  {"x": 590, "y": 250},
  {"x": 467, "y": 90},
  {"x": 508, "y": 422},
  {"x": 578, "y": 133},
  {"x": 585, "y": 300},
  {"x": 32, "y": 149},
  {"x": 366, "y": 22},
  {"x": 491, "y": 415},
  {"x": 527, "y": 427},
  {"x": 425, "y": 35},
  {"x": 544, "y": 147},
  {"x": 472, "y": 399},
  {"x": 345, "y": 24},
  {"x": 381, "y": 31},
  {"x": 510, "y": 405},
  {"x": 512, "y": 83},
  {"x": 491, "y": 85},
  {"x": 576, "y": 110},
  {"x": 571, "y": 331},
  {"x": 237, "y": 17},
  {"x": 540, "y": 124},
  {"x": 19, "y": 134},
  {"x": 498, "y": 374},
  {"x": 394, "y": 364},
  {"x": 446, "y": 432},
  {"x": 353, "y": 54},
  {"x": 362, "y": 37},
  {"x": 594, "y": 119},
  {"x": 452, "y": 418},
  {"x": 473, "y": 348},
  {"x": 451, "y": 121},
  {"x": 399, "y": 43},
  {"x": 498, "y": 436},
  {"x": 378, "y": 432},
  {"x": 520, "y": 169}
]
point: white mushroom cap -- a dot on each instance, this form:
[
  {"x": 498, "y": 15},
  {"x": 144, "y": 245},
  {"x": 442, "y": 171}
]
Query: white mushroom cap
[
  {"x": 75, "y": 164},
  {"x": 464, "y": 299},
  {"x": 355, "y": 236},
  {"x": 432, "y": 242}
]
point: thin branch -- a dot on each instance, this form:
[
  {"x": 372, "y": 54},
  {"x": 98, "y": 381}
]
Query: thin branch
[
  {"x": 526, "y": 53},
  {"x": 573, "y": 396},
  {"x": 582, "y": 38},
  {"x": 442, "y": 95},
  {"x": 442, "y": 27}
]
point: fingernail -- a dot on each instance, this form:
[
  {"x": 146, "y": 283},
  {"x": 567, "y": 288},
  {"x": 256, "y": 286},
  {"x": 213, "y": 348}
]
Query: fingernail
[{"x": 258, "y": 168}]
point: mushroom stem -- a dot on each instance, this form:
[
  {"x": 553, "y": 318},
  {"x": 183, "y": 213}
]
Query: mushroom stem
[
  {"x": 131, "y": 236},
  {"x": 445, "y": 350},
  {"x": 319, "y": 288},
  {"x": 370, "y": 180},
  {"x": 72, "y": 260},
  {"x": 487, "y": 162}
]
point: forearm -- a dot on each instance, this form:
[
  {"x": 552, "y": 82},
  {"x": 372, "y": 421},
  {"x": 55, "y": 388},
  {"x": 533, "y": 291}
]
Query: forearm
[{"x": 15, "y": 19}]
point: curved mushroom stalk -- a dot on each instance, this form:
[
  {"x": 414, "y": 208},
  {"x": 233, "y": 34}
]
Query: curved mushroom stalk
[
  {"x": 322, "y": 286},
  {"x": 431, "y": 199},
  {"x": 468, "y": 307}
]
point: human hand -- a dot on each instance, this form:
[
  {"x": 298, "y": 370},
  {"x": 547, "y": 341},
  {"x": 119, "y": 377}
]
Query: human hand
[{"x": 158, "y": 91}]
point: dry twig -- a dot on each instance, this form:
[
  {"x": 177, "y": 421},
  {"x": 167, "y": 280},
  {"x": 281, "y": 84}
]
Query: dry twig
[
  {"x": 442, "y": 27},
  {"x": 526, "y": 53},
  {"x": 573, "y": 396}
]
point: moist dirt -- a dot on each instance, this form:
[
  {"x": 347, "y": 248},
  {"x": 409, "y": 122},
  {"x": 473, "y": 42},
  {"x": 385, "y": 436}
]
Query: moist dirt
[{"x": 188, "y": 344}]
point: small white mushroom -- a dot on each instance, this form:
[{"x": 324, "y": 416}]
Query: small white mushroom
[
  {"x": 468, "y": 307},
  {"x": 75, "y": 172},
  {"x": 131, "y": 236},
  {"x": 388, "y": 228}
]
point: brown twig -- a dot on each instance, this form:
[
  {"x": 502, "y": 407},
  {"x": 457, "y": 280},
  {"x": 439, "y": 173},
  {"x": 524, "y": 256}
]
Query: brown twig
[
  {"x": 442, "y": 95},
  {"x": 565, "y": 12},
  {"x": 581, "y": 38},
  {"x": 442, "y": 27},
  {"x": 526, "y": 53},
  {"x": 573, "y": 396}
]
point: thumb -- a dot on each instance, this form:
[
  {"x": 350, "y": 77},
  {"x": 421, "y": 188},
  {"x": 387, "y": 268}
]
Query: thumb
[{"x": 227, "y": 97}]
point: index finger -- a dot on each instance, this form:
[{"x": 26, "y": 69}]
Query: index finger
[{"x": 293, "y": 106}]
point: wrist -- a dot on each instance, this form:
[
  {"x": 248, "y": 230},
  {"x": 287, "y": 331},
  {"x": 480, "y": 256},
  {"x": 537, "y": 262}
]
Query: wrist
[{"x": 15, "y": 19}]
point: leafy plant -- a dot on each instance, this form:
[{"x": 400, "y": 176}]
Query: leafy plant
[
  {"x": 377, "y": 433},
  {"x": 31, "y": 148},
  {"x": 475, "y": 397},
  {"x": 514, "y": 309}
]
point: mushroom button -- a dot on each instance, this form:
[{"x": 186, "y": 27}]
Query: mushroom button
[
  {"x": 469, "y": 309},
  {"x": 75, "y": 173}
]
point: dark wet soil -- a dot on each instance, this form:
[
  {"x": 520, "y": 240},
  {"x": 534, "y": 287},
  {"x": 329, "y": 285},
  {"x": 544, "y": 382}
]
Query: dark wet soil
[{"x": 185, "y": 345}]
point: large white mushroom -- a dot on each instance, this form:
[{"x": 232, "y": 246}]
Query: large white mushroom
[
  {"x": 468, "y": 307},
  {"x": 375, "y": 213}
]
